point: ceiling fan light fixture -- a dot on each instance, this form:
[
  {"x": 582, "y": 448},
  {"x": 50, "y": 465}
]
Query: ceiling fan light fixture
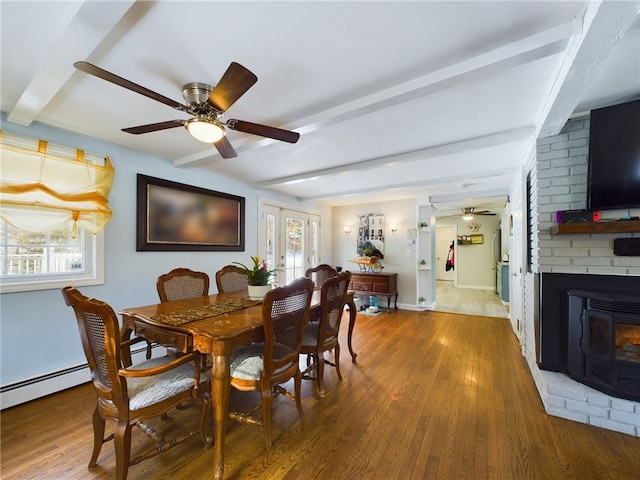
[
  {"x": 467, "y": 217},
  {"x": 205, "y": 129}
]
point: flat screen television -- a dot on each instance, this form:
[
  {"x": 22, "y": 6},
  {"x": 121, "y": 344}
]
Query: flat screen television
[{"x": 613, "y": 180}]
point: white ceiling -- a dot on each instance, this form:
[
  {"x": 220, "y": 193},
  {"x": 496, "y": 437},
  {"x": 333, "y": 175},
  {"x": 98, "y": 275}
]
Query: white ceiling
[{"x": 392, "y": 99}]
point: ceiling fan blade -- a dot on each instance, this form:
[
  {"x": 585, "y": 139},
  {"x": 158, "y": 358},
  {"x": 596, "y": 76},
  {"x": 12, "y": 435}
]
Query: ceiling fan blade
[
  {"x": 225, "y": 148},
  {"x": 134, "y": 87},
  {"x": 263, "y": 130},
  {"x": 234, "y": 83},
  {"x": 484, "y": 212},
  {"x": 154, "y": 127}
]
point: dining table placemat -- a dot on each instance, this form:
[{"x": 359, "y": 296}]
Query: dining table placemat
[{"x": 198, "y": 313}]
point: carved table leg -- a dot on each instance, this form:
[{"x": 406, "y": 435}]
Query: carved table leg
[
  {"x": 352, "y": 321},
  {"x": 220, "y": 396}
]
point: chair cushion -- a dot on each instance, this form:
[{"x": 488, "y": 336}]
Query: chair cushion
[
  {"x": 145, "y": 391},
  {"x": 310, "y": 338},
  {"x": 247, "y": 363}
]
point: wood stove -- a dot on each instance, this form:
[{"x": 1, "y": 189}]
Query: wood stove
[{"x": 603, "y": 341}]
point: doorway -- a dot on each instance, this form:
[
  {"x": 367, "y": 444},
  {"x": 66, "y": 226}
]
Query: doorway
[
  {"x": 289, "y": 241},
  {"x": 445, "y": 238},
  {"x": 451, "y": 298}
]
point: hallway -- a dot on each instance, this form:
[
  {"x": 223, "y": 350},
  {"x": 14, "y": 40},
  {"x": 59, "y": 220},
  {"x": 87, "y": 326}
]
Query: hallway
[{"x": 469, "y": 301}]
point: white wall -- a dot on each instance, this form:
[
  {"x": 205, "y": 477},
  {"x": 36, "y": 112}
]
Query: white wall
[
  {"x": 401, "y": 213},
  {"x": 38, "y": 331}
]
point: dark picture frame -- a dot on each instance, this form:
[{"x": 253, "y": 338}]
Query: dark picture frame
[{"x": 174, "y": 216}]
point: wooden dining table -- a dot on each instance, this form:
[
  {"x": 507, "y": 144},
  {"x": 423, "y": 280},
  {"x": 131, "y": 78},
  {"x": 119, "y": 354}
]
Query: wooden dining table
[{"x": 213, "y": 325}]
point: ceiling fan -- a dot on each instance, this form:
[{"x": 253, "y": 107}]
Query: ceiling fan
[
  {"x": 207, "y": 104},
  {"x": 469, "y": 212}
]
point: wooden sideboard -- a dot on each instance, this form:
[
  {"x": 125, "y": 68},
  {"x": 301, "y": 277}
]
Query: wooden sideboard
[{"x": 379, "y": 284}]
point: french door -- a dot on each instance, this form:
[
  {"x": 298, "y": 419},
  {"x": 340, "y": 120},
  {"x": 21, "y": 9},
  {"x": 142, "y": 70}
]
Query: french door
[{"x": 289, "y": 240}]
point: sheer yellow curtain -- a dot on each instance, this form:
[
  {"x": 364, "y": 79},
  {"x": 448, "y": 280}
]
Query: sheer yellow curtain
[{"x": 41, "y": 192}]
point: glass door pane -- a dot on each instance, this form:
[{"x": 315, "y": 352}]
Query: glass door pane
[
  {"x": 294, "y": 244},
  {"x": 269, "y": 241},
  {"x": 314, "y": 240}
]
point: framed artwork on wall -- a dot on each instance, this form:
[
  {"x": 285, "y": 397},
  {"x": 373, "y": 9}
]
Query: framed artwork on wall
[
  {"x": 177, "y": 217},
  {"x": 371, "y": 234}
]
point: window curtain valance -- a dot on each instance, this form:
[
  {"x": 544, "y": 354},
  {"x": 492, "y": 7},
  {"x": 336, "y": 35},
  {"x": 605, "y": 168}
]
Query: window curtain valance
[{"x": 41, "y": 192}]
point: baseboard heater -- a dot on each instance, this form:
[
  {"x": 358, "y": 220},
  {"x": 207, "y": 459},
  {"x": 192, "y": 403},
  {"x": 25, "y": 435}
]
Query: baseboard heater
[{"x": 42, "y": 385}]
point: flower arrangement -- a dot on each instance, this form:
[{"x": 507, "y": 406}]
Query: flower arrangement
[{"x": 259, "y": 274}]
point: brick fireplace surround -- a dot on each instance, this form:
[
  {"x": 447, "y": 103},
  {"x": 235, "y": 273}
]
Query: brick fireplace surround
[{"x": 557, "y": 181}]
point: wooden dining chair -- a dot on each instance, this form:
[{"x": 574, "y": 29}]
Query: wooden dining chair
[
  {"x": 320, "y": 273},
  {"x": 264, "y": 366},
  {"x": 231, "y": 279},
  {"x": 322, "y": 336},
  {"x": 130, "y": 394},
  {"x": 181, "y": 284}
]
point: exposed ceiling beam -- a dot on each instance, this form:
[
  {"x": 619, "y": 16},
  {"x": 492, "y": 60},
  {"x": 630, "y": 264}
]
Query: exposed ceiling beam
[
  {"x": 73, "y": 39},
  {"x": 486, "y": 141},
  {"x": 602, "y": 26},
  {"x": 439, "y": 181},
  {"x": 486, "y": 65},
  {"x": 484, "y": 194}
]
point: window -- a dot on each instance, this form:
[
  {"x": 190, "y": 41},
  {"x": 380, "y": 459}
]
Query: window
[
  {"x": 38, "y": 261},
  {"x": 62, "y": 193}
]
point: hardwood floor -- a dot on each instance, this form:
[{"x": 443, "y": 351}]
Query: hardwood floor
[{"x": 433, "y": 396}]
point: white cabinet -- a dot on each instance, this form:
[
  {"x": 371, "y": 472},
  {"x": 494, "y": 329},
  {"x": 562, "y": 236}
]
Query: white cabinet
[{"x": 425, "y": 254}]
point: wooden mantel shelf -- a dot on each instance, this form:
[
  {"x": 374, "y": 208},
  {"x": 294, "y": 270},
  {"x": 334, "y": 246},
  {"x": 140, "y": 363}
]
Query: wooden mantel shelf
[{"x": 621, "y": 226}]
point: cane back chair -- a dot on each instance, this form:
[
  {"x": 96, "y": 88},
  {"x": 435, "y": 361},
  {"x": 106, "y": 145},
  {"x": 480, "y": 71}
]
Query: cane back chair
[
  {"x": 130, "y": 394},
  {"x": 322, "y": 336},
  {"x": 264, "y": 366},
  {"x": 320, "y": 273},
  {"x": 182, "y": 283},
  {"x": 231, "y": 279}
]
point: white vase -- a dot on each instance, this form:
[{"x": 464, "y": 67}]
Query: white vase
[{"x": 257, "y": 292}]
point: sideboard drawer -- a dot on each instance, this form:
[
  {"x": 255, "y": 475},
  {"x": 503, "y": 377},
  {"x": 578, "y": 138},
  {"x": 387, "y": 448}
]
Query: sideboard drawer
[
  {"x": 362, "y": 287},
  {"x": 169, "y": 338},
  {"x": 381, "y": 287}
]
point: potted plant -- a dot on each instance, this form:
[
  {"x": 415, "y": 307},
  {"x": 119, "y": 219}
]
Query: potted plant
[
  {"x": 423, "y": 263},
  {"x": 258, "y": 276},
  {"x": 423, "y": 225},
  {"x": 422, "y": 301}
]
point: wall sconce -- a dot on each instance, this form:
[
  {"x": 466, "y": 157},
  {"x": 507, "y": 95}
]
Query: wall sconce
[
  {"x": 394, "y": 228},
  {"x": 347, "y": 229}
]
